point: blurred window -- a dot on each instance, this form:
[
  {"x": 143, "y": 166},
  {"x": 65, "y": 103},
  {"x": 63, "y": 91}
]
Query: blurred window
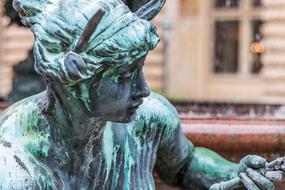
[
  {"x": 226, "y": 46},
  {"x": 227, "y": 3},
  {"x": 256, "y": 46},
  {"x": 256, "y": 3},
  {"x": 237, "y": 37}
]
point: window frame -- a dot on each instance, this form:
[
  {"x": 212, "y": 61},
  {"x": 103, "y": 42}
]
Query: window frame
[{"x": 245, "y": 14}]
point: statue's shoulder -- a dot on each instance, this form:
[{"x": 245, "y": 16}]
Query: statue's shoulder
[
  {"x": 15, "y": 168},
  {"x": 25, "y": 125},
  {"x": 156, "y": 108},
  {"x": 20, "y": 170},
  {"x": 24, "y": 113}
]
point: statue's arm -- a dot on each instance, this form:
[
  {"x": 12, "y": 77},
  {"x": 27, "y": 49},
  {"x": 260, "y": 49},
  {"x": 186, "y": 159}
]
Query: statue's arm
[
  {"x": 205, "y": 168},
  {"x": 179, "y": 163}
]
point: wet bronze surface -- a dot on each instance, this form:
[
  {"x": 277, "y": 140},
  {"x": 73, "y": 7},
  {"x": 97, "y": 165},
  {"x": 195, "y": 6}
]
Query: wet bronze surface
[{"x": 232, "y": 138}]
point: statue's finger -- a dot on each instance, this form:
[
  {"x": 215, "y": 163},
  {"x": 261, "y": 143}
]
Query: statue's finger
[
  {"x": 227, "y": 185},
  {"x": 283, "y": 167},
  {"x": 216, "y": 186},
  {"x": 275, "y": 175},
  {"x": 255, "y": 162},
  {"x": 232, "y": 184},
  {"x": 271, "y": 165},
  {"x": 278, "y": 164},
  {"x": 261, "y": 181},
  {"x": 247, "y": 182}
]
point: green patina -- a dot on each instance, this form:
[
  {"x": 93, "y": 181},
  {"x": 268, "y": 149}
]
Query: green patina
[
  {"x": 21, "y": 127},
  {"x": 45, "y": 139},
  {"x": 38, "y": 145},
  {"x": 34, "y": 137},
  {"x": 163, "y": 112},
  {"x": 108, "y": 148},
  {"x": 80, "y": 91},
  {"x": 112, "y": 72},
  {"x": 120, "y": 38}
]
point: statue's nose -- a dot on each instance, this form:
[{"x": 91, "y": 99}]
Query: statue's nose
[{"x": 141, "y": 89}]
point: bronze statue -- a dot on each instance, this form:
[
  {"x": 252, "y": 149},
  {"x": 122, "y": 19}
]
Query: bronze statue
[{"x": 98, "y": 126}]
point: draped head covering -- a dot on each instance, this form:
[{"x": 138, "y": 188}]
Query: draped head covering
[{"x": 121, "y": 37}]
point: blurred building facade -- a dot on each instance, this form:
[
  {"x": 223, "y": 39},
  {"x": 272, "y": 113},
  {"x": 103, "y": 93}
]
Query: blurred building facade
[
  {"x": 15, "y": 42},
  {"x": 227, "y": 51},
  {"x": 217, "y": 50}
]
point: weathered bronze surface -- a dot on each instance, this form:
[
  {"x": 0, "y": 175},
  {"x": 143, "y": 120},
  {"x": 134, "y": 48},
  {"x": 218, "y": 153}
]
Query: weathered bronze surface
[{"x": 98, "y": 126}]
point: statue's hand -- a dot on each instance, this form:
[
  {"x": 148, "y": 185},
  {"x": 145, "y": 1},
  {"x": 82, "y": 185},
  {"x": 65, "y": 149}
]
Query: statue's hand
[
  {"x": 251, "y": 176},
  {"x": 74, "y": 66},
  {"x": 275, "y": 170},
  {"x": 252, "y": 173}
]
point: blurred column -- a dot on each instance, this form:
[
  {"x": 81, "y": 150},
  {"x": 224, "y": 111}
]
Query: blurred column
[
  {"x": 14, "y": 46},
  {"x": 1, "y": 48},
  {"x": 189, "y": 27},
  {"x": 155, "y": 62},
  {"x": 273, "y": 72}
]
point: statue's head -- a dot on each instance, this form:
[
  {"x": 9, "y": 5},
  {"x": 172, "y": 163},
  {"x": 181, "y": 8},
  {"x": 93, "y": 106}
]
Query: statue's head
[{"x": 93, "y": 49}]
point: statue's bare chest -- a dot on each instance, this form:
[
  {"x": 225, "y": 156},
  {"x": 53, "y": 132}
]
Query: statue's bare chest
[{"x": 119, "y": 160}]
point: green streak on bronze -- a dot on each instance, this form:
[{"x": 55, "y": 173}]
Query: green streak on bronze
[{"x": 108, "y": 147}]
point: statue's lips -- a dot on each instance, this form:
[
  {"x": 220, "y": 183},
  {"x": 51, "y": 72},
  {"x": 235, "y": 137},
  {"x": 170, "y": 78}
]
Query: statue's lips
[{"x": 133, "y": 107}]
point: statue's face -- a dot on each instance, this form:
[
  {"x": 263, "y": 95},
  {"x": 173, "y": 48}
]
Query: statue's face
[{"x": 117, "y": 96}]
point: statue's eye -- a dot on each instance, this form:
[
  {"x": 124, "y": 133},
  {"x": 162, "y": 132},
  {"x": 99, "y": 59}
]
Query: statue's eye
[{"x": 126, "y": 75}]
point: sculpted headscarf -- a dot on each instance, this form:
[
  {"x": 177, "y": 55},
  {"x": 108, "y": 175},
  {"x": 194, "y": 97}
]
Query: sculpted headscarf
[{"x": 121, "y": 37}]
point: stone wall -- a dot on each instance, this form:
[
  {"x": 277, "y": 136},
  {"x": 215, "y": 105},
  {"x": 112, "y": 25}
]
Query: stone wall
[
  {"x": 274, "y": 42},
  {"x": 15, "y": 43}
]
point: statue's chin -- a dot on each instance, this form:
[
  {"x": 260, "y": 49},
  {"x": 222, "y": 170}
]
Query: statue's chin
[{"x": 125, "y": 119}]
